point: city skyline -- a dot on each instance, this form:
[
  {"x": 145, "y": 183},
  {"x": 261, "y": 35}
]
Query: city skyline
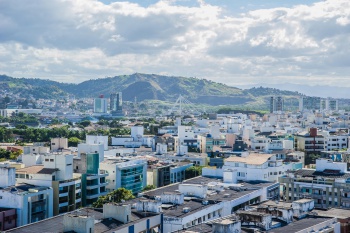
[{"x": 236, "y": 43}]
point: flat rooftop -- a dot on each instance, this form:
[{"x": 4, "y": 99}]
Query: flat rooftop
[
  {"x": 55, "y": 224},
  {"x": 300, "y": 225},
  {"x": 194, "y": 203},
  {"x": 334, "y": 213},
  {"x": 36, "y": 169},
  {"x": 253, "y": 159},
  {"x": 314, "y": 173},
  {"x": 23, "y": 188}
]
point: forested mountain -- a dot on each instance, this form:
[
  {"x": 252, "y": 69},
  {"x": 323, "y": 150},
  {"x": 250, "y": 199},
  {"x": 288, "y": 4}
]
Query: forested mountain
[{"x": 143, "y": 87}]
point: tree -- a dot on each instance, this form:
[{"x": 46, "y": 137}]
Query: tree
[
  {"x": 193, "y": 171},
  {"x": 4, "y": 154},
  {"x": 20, "y": 126},
  {"x": 149, "y": 187},
  {"x": 73, "y": 141},
  {"x": 85, "y": 123},
  {"x": 115, "y": 196}
]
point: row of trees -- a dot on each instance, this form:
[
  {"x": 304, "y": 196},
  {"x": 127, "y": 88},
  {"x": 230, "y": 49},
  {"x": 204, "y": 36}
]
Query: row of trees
[
  {"x": 20, "y": 118},
  {"x": 29, "y": 134}
]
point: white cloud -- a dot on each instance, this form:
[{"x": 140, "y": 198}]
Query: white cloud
[{"x": 80, "y": 39}]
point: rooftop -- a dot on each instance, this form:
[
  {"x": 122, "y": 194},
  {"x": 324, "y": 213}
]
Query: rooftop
[
  {"x": 23, "y": 188},
  {"x": 300, "y": 225},
  {"x": 36, "y": 169},
  {"x": 213, "y": 197},
  {"x": 253, "y": 159},
  {"x": 55, "y": 224},
  {"x": 314, "y": 173},
  {"x": 334, "y": 213}
]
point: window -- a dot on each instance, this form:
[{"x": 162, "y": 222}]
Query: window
[
  {"x": 46, "y": 160},
  {"x": 51, "y": 160},
  {"x": 53, "y": 143}
]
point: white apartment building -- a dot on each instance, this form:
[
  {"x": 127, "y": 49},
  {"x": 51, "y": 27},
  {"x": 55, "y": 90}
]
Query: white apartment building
[
  {"x": 250, "y": 167},
  {"x": 32, "y": 203},
  {"x": 336, "y": 142},
  {"x": 56, "y": 171},
  {"x": 125, "y": 173},
  {"x": 97, "y": 139},
  {"x": 91, "y": 148},
  {"x": 59, "y": 144},
  {"x": 203, "y": 199}
]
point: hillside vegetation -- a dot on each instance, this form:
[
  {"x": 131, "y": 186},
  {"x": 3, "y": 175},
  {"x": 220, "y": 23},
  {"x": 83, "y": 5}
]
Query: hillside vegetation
[{"x": 144, "y": 87}]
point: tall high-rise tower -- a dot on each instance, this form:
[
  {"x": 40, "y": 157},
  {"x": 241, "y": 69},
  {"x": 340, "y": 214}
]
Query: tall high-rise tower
[
  {"x": 100, "y": 105},
  {"x": 276, "y": 104},
  {"x": 116, "y": 103}
]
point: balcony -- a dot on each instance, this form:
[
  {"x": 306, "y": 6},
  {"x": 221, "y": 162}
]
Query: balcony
[
  {"x": 93, "y": 196},
  {"x": 63, "y": 204},
  {"x": 38, "y": 206},
  {"x": 63, "y": 191},
  {"x": 345, "y": 199},
  {"x": 93, "y": 177},
  {"x": 96, "y": 186},
  {"x": 321, "y": 206},
  {"x": 63, "y": 194},
  {"x": 345, "y": 186},
  {"x": 318, "y": 196}
]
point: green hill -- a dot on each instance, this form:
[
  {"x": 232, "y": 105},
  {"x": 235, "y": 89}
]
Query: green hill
[{"x": 143, "y": 87}]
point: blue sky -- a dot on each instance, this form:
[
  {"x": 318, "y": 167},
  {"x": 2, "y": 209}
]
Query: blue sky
[{"x": 233, "y": 42}]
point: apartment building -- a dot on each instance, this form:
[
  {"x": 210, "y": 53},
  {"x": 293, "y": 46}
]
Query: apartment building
[
  {"x": 202, "y": 199},
  {"x": 328, "y": 184},
  {"x": 253, "y": 166},
  {"x": 56, "y": 171},
  {"x": 121, "y": 218},
  {"x": 160, "y": 174},
  {"x": 126, "y": 173},
  {"x": 32, "y": 203},
  {"x": 310, "y": 142},
  {"x": 93, "y": 180},
  {"x": 336, "y": 141}
]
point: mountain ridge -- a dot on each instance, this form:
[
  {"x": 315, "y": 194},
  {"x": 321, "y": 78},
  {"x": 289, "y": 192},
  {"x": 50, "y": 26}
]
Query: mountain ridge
[{"x": 144, "y": 87}]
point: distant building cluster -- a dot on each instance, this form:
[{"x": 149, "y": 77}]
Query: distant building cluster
[{"x": 281, "y": 171}]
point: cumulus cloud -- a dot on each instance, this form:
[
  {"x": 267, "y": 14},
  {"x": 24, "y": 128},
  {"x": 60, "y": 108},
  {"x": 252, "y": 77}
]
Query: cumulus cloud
[{"x": 74, "y": 40}]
